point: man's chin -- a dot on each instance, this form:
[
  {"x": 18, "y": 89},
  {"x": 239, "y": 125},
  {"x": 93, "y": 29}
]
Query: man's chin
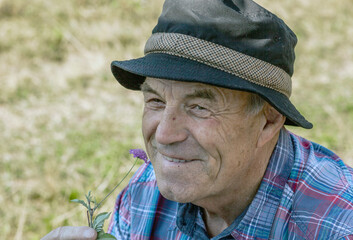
[{"x": 176, "y": 196}]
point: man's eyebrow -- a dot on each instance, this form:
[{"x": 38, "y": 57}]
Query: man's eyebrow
[
  {"x": 147, "y": 89},
  {"x": 198, "y": 93},
  {"x": 202, "y": 93}
]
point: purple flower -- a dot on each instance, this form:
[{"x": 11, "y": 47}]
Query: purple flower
[{"x": 139, "y": 153}]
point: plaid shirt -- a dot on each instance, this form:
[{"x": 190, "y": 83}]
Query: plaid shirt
[{"x": 306, "y": 193}]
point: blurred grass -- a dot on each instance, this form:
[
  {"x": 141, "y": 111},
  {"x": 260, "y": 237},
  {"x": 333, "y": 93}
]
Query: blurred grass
[{"x": 66, "y": 126}]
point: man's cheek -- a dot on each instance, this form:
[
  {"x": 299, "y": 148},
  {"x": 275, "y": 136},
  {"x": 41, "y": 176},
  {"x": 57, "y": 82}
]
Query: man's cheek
[{"x": 147, "y": 126}]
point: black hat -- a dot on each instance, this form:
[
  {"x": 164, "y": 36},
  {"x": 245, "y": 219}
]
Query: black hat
[{"x": 234, "y": 44}]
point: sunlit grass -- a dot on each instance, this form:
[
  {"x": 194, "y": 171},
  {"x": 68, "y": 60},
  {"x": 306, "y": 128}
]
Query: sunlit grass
[{"x": 66, "y": 126}]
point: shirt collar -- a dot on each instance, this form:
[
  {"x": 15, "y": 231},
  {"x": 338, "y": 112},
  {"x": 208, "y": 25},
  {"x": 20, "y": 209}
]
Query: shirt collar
[{"x": 257, "y": 221}]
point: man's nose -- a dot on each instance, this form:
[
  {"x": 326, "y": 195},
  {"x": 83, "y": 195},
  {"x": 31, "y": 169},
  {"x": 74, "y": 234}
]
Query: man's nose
[{"x": 171, "y": 128}]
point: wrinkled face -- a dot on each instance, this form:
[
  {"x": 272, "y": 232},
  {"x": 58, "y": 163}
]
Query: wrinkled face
[{"x": 200, "y": 139}]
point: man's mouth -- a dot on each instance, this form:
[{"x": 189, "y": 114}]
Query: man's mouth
[{"x": 175, "y": 160}]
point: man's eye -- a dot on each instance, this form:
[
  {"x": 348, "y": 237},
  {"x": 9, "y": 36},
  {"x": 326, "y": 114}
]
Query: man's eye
[
  {"x": 156, "y": 100},
  {"x": 198, "y": 108},
  {"x": 155, "y": 103},
  {"x": 199, "y": 111}
]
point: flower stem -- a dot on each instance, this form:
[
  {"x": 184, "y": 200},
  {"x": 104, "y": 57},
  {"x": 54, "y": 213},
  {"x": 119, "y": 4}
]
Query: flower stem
[{"x": 98, "y": 205}]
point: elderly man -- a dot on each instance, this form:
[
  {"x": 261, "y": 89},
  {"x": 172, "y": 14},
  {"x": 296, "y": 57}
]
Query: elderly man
[{"x": 216, "y": 80}]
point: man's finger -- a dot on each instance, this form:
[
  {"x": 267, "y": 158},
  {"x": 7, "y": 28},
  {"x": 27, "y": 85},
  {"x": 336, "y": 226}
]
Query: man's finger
[{"x": 71, "y": 233}]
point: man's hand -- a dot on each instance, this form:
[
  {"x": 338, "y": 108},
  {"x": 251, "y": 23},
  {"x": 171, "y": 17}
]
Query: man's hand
[{"x": 71, "y": 233}]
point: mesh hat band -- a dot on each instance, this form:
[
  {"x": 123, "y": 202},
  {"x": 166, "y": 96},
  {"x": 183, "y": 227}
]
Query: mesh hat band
[{"x": 228, "y": 60}]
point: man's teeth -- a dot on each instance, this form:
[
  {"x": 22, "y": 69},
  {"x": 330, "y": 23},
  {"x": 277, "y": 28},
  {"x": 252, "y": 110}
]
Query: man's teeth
[{"x": 176, "y": 160}]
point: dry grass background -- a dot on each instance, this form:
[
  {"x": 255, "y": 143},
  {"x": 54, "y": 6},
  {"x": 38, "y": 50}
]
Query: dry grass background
[{"x": 66, "y": 126}]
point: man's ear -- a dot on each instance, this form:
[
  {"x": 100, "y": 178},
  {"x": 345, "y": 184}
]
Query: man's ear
[{"x": 273, "y": 123}]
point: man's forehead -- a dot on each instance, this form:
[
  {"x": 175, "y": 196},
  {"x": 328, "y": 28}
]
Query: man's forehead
[
  {"x": 191, "y": 89},
  {"x": 195, "y": 90},
  {"x": 158, "y": 82}
]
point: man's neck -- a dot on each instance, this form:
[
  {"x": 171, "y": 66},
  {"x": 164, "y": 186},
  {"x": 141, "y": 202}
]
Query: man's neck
[
  {"x": 217, "y": 218},
  {"x": 216, "y": 223},
  {"x": 220, "y": 213}
]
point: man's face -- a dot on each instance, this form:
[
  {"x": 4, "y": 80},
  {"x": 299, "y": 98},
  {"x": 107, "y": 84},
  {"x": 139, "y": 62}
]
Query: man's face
[{"x": 200, "y": 139}]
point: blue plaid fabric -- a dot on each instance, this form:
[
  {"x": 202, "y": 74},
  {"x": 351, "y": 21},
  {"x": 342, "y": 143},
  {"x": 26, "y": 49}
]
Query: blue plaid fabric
[{"x": 306, "y": 193}]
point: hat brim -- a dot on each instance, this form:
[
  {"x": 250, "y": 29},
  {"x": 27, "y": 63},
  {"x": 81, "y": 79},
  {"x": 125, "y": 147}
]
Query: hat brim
[{"x": 132, "y": 73}]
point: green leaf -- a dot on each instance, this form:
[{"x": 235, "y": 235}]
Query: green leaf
[
  {"x": 80, "y": 202},
  {"x": 95, "y": 203},
  {"x": 105, "y": 236},
  {"x": 89, "y": 197},
  {"x": 99, "y": 221}
]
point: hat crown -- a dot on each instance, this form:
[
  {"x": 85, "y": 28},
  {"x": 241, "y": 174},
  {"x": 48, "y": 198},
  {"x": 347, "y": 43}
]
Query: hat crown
[{"x": 241, "y": 25}]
